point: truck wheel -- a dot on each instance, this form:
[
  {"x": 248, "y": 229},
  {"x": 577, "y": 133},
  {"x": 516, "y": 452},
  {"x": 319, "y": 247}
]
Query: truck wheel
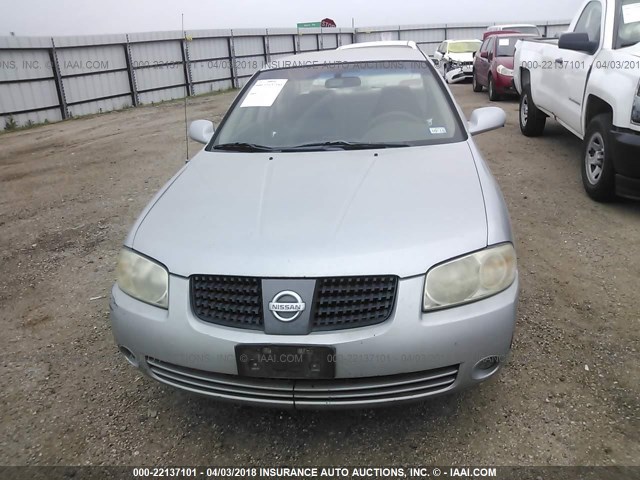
[
  {"x": 531, "y": 119},
  {"x": 598, "y": 175},
  {"x": 476, "y": 86},
  {"x": 493, "y": 95}
]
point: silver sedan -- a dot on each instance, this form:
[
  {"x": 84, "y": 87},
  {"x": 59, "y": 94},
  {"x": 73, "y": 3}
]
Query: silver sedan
[{"x": 339, "y": 242}]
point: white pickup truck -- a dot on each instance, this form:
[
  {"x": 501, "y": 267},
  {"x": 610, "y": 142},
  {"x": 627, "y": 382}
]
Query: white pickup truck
[{"x": 588, "y": 80}]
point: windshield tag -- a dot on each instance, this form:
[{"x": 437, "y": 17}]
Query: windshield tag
[
  {"x": 503, "y": 42},
  {"x": 264, "y": 93},
  {"x": 438, "y": 130},
  {"x": 631, "y": 13}
]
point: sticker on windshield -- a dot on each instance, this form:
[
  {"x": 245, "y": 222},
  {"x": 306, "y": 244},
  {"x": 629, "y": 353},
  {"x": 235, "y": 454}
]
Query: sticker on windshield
[
  {"x": 503, "y": 42},
  {"x": 631, "y": 13},
  {"x": 264, "y": 93},
  {"x": 438, "y": 130}
]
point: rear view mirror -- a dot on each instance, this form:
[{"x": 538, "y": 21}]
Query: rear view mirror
[
  {"x": 343, "y": 82},
  {"x": 578, "y": 42},
  {"x": 201, "y": 131},
  {"x": 485, "y": 119}
]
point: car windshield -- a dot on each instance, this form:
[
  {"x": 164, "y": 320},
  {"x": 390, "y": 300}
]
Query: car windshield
[
  {"x": 506, "y": 46},
  {"x": 629, "y": 24},
  {"x": 464, "y": 47},
  {"x": 341, "y": 106}
]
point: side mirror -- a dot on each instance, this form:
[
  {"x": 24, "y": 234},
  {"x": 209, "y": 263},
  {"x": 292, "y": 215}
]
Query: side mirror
[
  {"x": 485, "y": 119},
  {"x": 201, "y": 131},
  {"x": 436, "y": 61},
  {"x": 484, "y": 54},
  {"x": 577, "y": 41}
]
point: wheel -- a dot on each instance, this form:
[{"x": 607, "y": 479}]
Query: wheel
[
  {"x": 598, "y": 175},
  {"x": 530, "y": 118},
  {"x": 493, "y": 95},
  {"x": 476, "y": 86}
]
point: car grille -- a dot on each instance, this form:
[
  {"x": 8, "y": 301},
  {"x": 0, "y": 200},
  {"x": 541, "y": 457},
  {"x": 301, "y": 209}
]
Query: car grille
[
  {"x": 227, "y": 300},
  {"x": 340, "y": 302},
  {"x": 367, "y": 391},
  {"x": 345, "y": 302}
]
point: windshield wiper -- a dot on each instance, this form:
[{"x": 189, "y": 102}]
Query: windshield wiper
[
  {"x": 344, "y": 145},
  {"x": 243, "y": 147}
]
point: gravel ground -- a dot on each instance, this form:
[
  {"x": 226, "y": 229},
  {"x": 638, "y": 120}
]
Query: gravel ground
[{"x": 70, "y": 191}]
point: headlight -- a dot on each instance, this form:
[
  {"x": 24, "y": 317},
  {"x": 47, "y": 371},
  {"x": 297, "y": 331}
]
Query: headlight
[
  {"x": 142, "y": 278},
  {"x": 469, "y": 278},
  {"x": 635, "y": 109},
  {"x": 502, "y": 70},
  {"x": 455, "y": 64}
]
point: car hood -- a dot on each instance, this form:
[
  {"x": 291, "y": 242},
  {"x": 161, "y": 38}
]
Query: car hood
[
  {"x": 391, "y": 211},
  {"x": 461, "y": 57},
  {"x": 505, "y": 62},
  {"x": 632, "y": 49}
]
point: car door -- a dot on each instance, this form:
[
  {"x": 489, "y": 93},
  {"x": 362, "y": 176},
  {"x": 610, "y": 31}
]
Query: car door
[
  {"x": 439, "y": 56},
  {"x": 491, "y": 53},
  {"x": 575, "y": 66},
  {"x": 481, "y": 64}
]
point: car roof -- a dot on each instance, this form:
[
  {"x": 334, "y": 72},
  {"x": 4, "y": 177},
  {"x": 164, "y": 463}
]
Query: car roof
[
  {"x": 461, "y": 41},
  {"x": 381, "y": 43},
  {"x": 504, "y": 25},
  {"x": 372, "y": 52},
  {"x": 501, "y": 33}
]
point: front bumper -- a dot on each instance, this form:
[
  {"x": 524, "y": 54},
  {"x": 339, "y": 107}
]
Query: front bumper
[
  {"x": 626, "y": 162},
  {"x": 505, "y": 85},
  {"x": 411, "y": 356},
  {"x": 456, "y": 75}
]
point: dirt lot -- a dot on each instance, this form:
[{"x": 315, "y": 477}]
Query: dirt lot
[{"x": 70, "y": 191}]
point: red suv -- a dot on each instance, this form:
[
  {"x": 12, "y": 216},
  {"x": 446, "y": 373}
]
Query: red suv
[{"x": 493, "y": 64}]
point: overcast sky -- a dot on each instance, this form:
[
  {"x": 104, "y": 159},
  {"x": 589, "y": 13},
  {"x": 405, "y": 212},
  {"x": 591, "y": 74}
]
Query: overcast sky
[{"x": 77, "y": 17}]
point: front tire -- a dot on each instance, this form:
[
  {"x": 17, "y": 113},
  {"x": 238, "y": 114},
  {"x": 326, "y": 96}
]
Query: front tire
[
  {"x": 476, "y": 86},
  {"x": 531, "y": 119},
  {"x": 598, "y": 175},
  {"x": 493, "y": 95}
]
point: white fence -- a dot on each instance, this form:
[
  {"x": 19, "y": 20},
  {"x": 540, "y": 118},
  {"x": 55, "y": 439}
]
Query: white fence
[{"x": 50, "y": 79}]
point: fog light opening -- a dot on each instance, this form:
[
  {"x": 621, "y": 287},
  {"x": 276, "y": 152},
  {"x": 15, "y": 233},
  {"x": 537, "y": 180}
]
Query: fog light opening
[
  {"x": 128, "y": 354},
  {"x": 486, "y": 367},
  {"x": 487, "y": 363}
]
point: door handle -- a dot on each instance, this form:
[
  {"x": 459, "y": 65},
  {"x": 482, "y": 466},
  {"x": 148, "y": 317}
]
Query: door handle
[{"x": 559, "y": 60}]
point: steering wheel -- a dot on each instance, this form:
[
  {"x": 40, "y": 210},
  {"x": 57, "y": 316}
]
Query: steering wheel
[{"x": 390, "y": 117}]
